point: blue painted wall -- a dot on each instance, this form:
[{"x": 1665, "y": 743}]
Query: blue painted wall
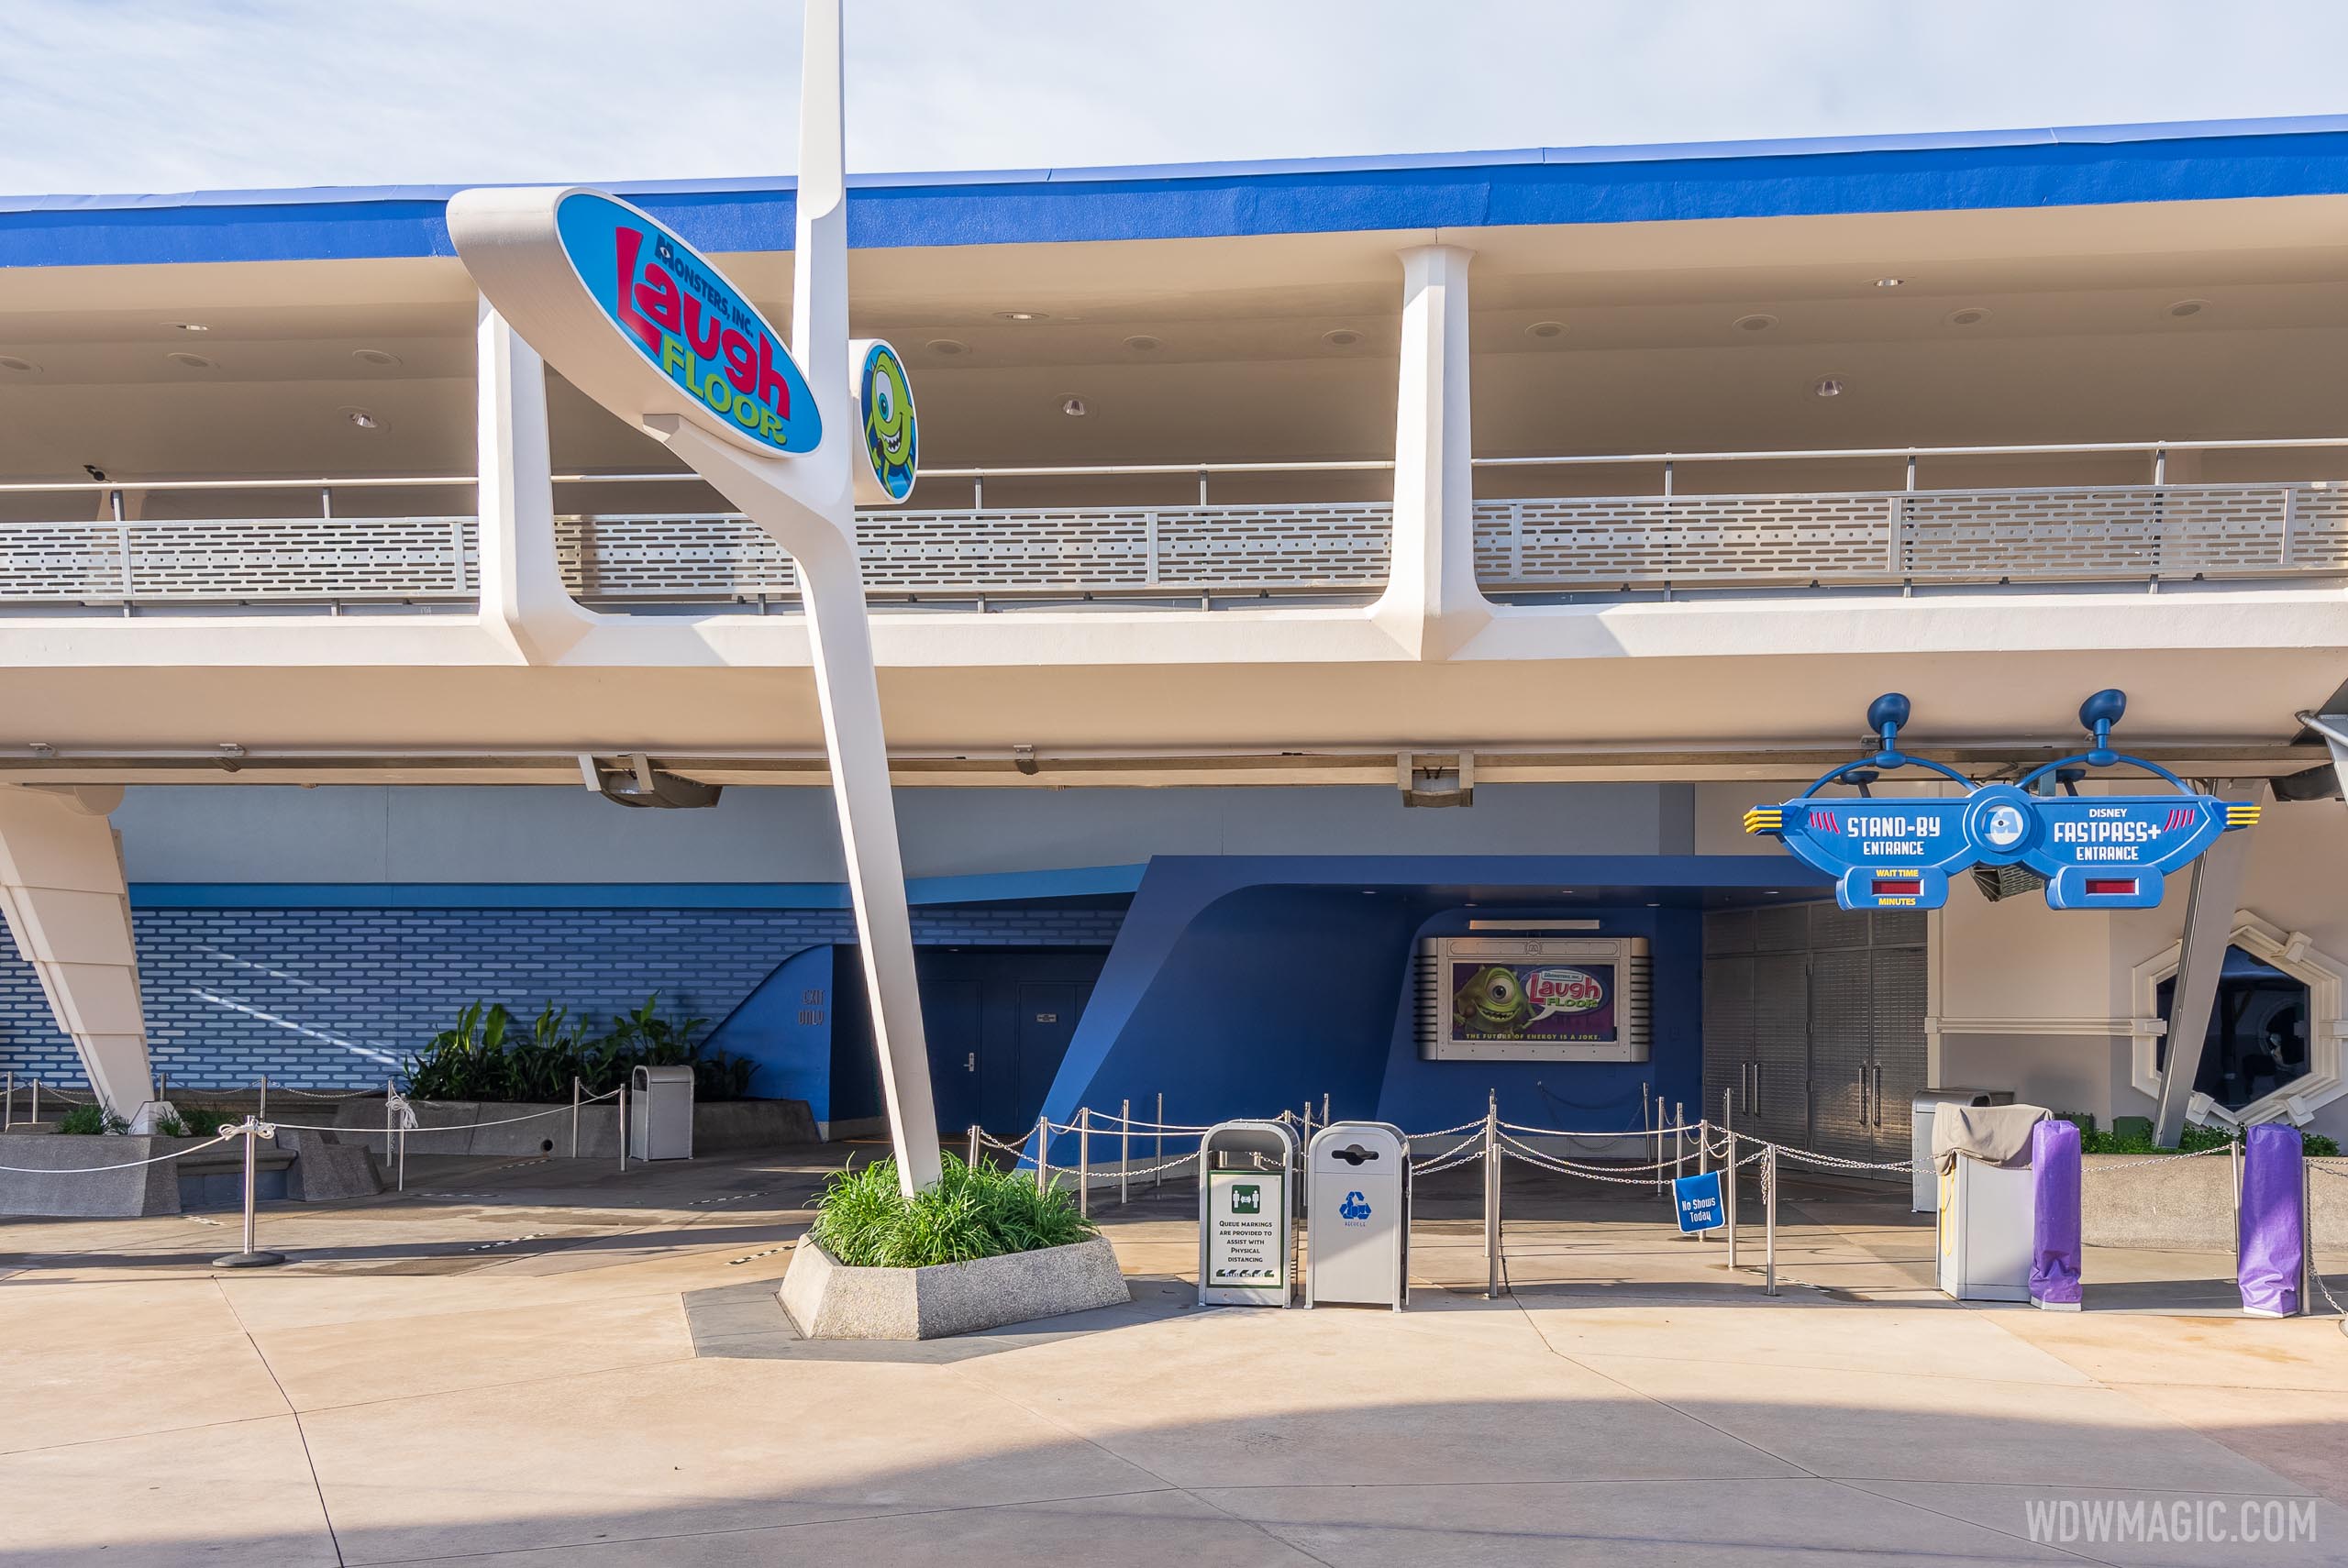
[
  {"x": 1239, "y": 986},
  {"x": 785, "y": 1026},
  {"x": 337, "y": 996}
]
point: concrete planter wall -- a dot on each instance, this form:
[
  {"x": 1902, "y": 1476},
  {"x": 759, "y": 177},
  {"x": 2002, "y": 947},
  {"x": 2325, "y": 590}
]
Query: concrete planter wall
[
  {"x": 2185, "y": 1204},
  {"x": 722, "y": 1126},
  {"x": 828, "y": 1300},
  {"x": 298, "y": 1165}
]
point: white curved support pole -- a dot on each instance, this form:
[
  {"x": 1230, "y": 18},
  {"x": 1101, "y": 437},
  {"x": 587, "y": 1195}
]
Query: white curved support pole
[
  {"x": 521, "y": 592},
  {"x": 62, "y": 889},
  {"x": 1432, "y": 605}
]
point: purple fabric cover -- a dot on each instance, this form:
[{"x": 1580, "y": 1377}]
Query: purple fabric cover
[
  {"x": 2054, "y": 1213},
  {"x": 2272, "y": 1239}
]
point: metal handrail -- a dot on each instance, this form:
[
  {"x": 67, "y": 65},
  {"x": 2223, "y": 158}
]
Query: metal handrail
[{"x": 1346, "y": 465}]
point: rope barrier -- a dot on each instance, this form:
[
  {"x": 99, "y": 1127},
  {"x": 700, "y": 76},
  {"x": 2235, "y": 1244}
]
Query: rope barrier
[
  {"x": 224, "y": 1135},
  {"x": 502, "y": 1121},
  {"x": 1434, "y": 1163}
]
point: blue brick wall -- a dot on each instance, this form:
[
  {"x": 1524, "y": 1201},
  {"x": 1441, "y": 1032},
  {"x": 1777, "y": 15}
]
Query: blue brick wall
[{"x": 337, "y": 998}]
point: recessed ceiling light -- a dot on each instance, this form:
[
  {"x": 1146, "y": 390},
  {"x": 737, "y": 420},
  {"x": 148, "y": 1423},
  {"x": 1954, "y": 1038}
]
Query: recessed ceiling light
[
  {"x": 1143, "y": 343},
  {"x": 1021, "y": 316},
  {"x": 1888, "y": 282},
  {"x": 1545, "y": 329},
  {"x": 1074, "y": 407},
  {"x": 1827, "y": 386},
  {"x": 947, "y": 346},
  {"x": 22, "y": 366},
  {"x": 2188, "y": 307},
  {"x": 380, "y": 358},
  {"x": 1342, "y": 338},
  {"x": 1759, "y": 321},
  {"x": 360, "y": 417},
  {"x": 1971, "y": 316},
  {"x": 190, "y": 362},
  {"x": 187, "y": 327}
]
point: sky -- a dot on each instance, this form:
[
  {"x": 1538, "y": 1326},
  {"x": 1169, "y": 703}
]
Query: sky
[{"x": 155, "y": 95}]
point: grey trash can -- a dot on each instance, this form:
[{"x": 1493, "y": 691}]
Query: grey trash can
[
  {"x": 1246, "y": 1214},
  {"x": 1923, "y": 1181},
  {"x": 660, "y": 1114},
  {"x": 1358, "y": 1215}
]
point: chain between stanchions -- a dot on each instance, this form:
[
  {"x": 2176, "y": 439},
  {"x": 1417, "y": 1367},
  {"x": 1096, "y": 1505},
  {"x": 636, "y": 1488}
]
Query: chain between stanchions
[
  {"x": 1465, "y": 1149},
  {"x": 2155, "y": 1160},
  {"x": 502, "y": 1121}
]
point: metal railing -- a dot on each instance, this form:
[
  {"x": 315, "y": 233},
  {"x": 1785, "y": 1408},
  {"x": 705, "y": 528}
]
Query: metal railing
[{"x": 1203, "y": 551}]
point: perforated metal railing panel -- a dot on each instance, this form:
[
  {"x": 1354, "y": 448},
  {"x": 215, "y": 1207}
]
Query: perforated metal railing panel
[
  {"x": 2111, "y": 534},
  {"x": 1603, "y": 542}
]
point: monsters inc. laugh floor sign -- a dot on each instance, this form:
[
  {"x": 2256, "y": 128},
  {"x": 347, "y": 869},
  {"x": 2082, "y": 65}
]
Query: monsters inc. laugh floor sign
[
  {"x": 2092, "y": 851},
  {"x": 689, "y": 323}
]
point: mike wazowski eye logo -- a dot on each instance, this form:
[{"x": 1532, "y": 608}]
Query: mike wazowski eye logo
[{"x": 892, "y": 435}]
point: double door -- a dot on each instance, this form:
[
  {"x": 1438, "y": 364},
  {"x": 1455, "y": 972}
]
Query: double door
[{"x": 1814, "y": 1025}]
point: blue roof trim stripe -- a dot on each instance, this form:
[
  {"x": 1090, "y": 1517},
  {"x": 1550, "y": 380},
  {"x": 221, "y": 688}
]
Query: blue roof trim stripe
[
  {"x": 1008, "y": 886},
  {"x": 2074, "y": 167}
]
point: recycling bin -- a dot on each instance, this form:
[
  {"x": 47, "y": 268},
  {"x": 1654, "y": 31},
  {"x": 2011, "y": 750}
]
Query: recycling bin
[
  {"x": 660, "y": 1114},
  {"x": 1246, "y": 1214},
  {"x": 1923, "y": 1188},
  {"x": 1358, "y": 1215}
]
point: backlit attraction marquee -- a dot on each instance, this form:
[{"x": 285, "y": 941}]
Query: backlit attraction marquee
[{"x": 2094, "y": 850}]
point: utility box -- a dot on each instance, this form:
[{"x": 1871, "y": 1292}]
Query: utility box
[
  {"x": 1246, "y": 1214},
  {"x": 1358, "y": 1215},
  {"x": 660, "y": 1114},
  {"x": 1984, "y": 1231},
  {"x": 1923, "y": 1185}
]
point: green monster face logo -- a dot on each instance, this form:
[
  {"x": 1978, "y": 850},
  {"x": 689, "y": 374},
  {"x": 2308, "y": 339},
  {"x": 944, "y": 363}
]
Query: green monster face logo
[
  {"x": 892, "y": 438},
  {"x": 1491, "y": 998}
]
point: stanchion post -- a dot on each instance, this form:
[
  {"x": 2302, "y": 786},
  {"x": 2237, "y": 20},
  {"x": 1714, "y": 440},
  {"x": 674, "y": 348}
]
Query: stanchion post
[
  {"x": 575, "y": 1086},
  {"x": 36, "y": 1117},
  {"x": 1084, "y": 1159},
  {"x": 2234, "y": 1166},
  {"x": 1044, "y": 1152},
  {"x": 1159, "y": 1158},
  {"x": 1769, "y": 1221},
  {"x": 623, "y": 1105},
  {"x": 8, "y": 1116},
  {"x": 974, "y": 1144},
  {"x": 1728, "y": 1169},
  {"x": 262, "y": 1111},
  {"x": 1324, "y": 1108},
  {"x": 1492, "y": 1197},
  {"x": 1124, "y": 1152},
  {"x": 2308, "y": 1276},
  {"x": 402, "y": 1166},
  {"x": 251, "y": 1257},
  {"x": 389, "y": 1090}
]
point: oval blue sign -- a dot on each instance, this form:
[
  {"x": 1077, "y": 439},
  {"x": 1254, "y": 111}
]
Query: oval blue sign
[{"x": 689, "y": 323}]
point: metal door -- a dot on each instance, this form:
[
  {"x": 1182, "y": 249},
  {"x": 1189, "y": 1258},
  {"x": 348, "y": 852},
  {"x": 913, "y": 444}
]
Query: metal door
[
  {"x": 1842, "y": 1053},
  {"x": 1779, "y": 1096},
  {"x": 1047, "y": 1022},
  {"x": 1898, "y": 983},
  {"x": 949, "y": 1016},
  {"x": 1728, "y": 1032}
]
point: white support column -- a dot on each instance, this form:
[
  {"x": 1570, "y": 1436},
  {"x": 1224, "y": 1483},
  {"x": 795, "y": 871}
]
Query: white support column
[
  {"x": 521, "y": 579},
  {"x": 1432, "y": 604},
  {"x": 2210, "y": 920},
  {"x": 68, "y": 907}
]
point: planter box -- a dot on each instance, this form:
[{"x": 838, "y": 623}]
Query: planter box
[
  {"x": 141, "y": 1189},
  {"x": 720, "y": 1126},
  {"x": 828, "y": 1300},
  {"x": 2185, "y": 1204}
]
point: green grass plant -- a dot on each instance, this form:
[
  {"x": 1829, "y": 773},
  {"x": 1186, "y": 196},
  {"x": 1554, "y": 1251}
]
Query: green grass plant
[
  {"x": 2193, "y": 1140},
  {"x": 970, "y": 1212}
]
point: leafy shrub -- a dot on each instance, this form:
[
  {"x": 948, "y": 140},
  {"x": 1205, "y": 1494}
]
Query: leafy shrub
[
  {"x": 2193, "y": 1140},
  {"x": 972, "y": 1211},
  {"x": 487, "y": 1056},
  {"x": 89, "y": 1121}
]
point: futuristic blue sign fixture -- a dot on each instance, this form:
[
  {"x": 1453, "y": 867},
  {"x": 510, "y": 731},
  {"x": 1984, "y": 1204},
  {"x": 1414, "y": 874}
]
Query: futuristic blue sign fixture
[{"x": 2095, "y": 851}]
